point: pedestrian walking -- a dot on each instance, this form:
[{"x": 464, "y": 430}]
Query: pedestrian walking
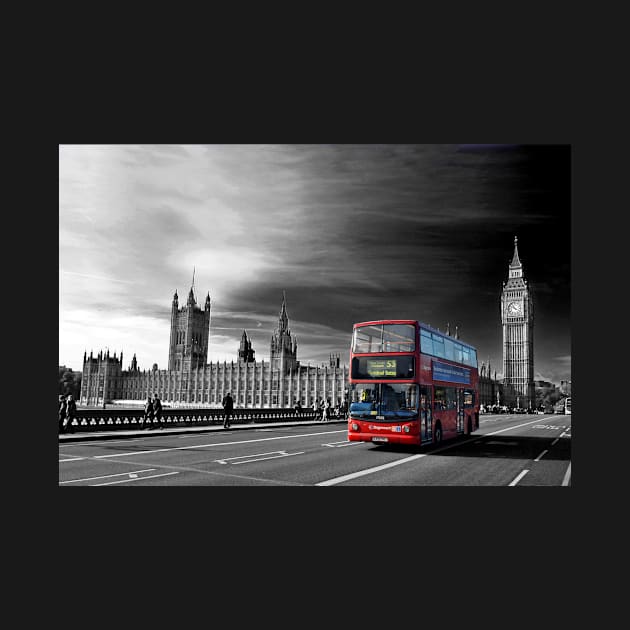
[
  {"x": 298, "y": 408},
  {"x": 228, "y": 407},
  {"x": 71, "y": 412},
  {"x": 62, "y": 412},
  {"x": 157, "y": 410},
  {"x": 326, "y": 410},
  {"x": 148, "y": 413}
]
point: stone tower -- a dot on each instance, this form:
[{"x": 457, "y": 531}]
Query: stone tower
[
  {"x": 245, "y": 351},
  {"x": 283, "y": 345},
  {"x": 517, "y": 317},
  {"x": 190, "y": 329}
]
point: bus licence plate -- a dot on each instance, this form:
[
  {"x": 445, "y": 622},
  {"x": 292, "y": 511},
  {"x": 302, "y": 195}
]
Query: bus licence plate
[{"x": 379, "y": 439}]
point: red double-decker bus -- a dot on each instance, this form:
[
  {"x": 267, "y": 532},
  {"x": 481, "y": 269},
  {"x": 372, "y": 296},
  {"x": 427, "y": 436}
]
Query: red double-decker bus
[{"x": 410, "y": 384}]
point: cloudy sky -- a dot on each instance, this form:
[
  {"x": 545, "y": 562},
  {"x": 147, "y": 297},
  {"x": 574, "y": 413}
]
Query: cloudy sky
[{"x": 350, "y": 233}]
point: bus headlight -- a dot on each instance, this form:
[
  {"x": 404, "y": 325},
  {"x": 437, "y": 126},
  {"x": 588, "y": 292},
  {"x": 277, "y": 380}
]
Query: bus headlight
[
  {"x": 354, "y": 426},
  {"x": 406, "y": 428}
]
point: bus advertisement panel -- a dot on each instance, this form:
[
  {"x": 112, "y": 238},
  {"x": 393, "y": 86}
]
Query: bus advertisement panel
[{"x": 410, "y": 384}]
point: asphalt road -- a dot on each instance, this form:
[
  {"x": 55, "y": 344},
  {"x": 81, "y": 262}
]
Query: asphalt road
[{"x": 506, "y": 450}]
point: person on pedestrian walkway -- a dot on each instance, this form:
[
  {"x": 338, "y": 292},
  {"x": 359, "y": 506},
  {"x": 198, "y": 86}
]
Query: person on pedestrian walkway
[
  {"x": 157, "y": 410},
  {"x": 148, "y": 413},
  {"x": 62, "y": 412},
  {"x": 298, "y": 408},
  {"x": 228, "y": 408},
  {"x": 326, "y": 410},
  {"x": 71, "y": 412}
]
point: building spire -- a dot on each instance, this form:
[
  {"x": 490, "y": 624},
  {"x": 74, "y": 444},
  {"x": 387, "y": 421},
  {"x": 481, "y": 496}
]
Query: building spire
[
  {"x": 191, "y": 293},
  {"x": 515, "y": 259},
  {"x": 516, "y": 275},
  {"x": 284, "y": 318}
]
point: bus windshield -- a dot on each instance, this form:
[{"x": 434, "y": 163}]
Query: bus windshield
[
  {"x": 384, "y": 338},
  {"x": 384, "y": 401}
]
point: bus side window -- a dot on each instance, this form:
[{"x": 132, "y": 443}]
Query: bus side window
[{"x": 440, "y": 401}]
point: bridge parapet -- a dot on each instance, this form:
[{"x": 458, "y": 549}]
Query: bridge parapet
[{"x": 112, "y": 419}]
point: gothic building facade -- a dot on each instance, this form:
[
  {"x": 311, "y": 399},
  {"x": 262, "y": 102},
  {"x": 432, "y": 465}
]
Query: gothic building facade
[
  {"x": 517, "y": 319},
  {"x": 190, "y": 380},
  {"x": 491, "y": 390}
]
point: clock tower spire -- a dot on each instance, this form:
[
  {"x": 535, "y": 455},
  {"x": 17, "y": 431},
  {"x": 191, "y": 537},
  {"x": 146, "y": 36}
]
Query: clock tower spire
[{"x": 517, "y": 318}]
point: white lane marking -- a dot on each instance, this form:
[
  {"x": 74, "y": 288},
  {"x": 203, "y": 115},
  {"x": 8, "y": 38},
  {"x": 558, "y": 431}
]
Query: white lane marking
[
  {"x": 519, "y": 477},
  {"x": 72, "y": 459},
  {"x": 501, "y": 443},
  {"x": 111, "y": 483},
  {"x": 518, "y": 426},
  {"x": 567, "y": 476},
  {"x": 191, "y": 446},
  {"x": 228, "y": 459},
  {"x": 107, "y": 476},
  {"x": 368, "y": 471},
  {"x": 340, "y": 444},
  {"x": 260, "y": 459},
  {"x": 332, "y": 482},
  {"x": 556, "y": 440},
  {"x": 540, "y": 456}
]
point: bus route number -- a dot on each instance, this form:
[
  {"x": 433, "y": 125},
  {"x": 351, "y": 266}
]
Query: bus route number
[{"x": 381, "y": 367}]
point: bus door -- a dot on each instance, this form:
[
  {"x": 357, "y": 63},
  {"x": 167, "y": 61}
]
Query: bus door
[
  {"x": 460, "y": 411},
  {"x": 426, "y": 414}
]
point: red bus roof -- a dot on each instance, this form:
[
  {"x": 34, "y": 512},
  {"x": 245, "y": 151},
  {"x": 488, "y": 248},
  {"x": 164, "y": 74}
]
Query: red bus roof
[
  {"x": 377, "y": 322},
  {"x": 387, "y": 321}
]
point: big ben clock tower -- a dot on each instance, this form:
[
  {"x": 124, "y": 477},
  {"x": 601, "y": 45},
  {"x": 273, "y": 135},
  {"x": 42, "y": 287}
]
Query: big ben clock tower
[{"x": 517, "y": 317}]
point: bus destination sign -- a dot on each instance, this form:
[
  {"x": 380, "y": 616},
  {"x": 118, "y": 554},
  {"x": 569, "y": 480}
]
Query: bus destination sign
[
  {"x": 399, "y": 367},
  {"x": 381, "y": 368}
]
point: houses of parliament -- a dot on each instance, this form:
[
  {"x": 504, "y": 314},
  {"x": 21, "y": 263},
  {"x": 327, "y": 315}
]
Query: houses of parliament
[
  {"x": 191, "y": 380},
  {"x": 279, "y": 383}
]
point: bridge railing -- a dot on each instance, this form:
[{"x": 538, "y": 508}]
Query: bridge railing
[{"x": 132, "y": 418}]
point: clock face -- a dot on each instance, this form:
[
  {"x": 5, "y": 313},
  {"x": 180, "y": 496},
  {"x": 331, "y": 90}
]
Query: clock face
[{"x": 514, "y": 308}]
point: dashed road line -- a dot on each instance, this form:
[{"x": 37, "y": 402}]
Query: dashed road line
[
  {"x": 540, "y": 456},
  {"x": 368, "y": 471},
  {"x": 518, "y": 477}
]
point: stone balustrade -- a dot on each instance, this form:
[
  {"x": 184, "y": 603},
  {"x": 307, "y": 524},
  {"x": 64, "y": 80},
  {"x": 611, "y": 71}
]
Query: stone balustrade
[{"x": 111, "y": 419}]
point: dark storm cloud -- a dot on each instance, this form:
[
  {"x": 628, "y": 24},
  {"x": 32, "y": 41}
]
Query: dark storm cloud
[
  {"x": 424, "y": 232},
  {"x": 351, "y": 232}
]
